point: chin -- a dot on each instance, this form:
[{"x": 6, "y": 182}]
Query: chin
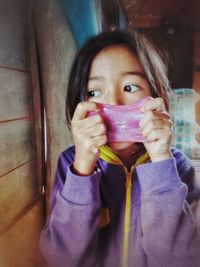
[{"x": 121, "y": 145}]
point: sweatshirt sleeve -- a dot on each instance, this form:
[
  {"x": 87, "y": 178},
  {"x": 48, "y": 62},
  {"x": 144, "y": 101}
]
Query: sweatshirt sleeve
[
  {"x": 170, "y": 233},
  {"x": 69, "y": 236}
]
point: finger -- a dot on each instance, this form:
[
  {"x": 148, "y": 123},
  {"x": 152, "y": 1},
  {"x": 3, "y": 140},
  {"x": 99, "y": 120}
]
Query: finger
[
  {"x": 81, "y": 131},
  {"x": 156, "y": 125},
  {"x": 154, "y": 104},
  {"x": 83, "y": 108},
  {"x": 100, "y": 140},
  {"x": 153, "y": 115},
  {"x": 163, "y": 135},
  {"x": 91, "y": 126},
  {"x": 97, "y": 142},
  {"x": 90, "y": 121},
  {"x": 98, "y": 130}
]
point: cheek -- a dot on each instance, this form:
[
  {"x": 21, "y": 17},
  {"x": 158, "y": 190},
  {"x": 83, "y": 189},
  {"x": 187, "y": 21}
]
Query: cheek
[
  {"x": 132, "y": 98},
  {"x": 147, "y": 89}
]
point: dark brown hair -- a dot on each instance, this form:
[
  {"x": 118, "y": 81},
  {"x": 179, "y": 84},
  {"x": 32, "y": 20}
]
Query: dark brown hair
[{"x": 149, "y": 57}]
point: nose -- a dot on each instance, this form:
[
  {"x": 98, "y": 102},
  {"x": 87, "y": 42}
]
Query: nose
[{"x": 113, "y": 98}]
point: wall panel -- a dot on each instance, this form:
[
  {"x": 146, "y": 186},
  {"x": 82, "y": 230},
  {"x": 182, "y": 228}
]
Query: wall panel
[
  {"x": 17, "y": 144},
  {"x": 19, "y": 245},
  {"x": 13, "y": 48},
  {"x": 15, "y": 94},
  {"x": 56, "y": 50},
  {"x": 18, "y": 189},
  {"x": 21, "y": 199},
  {"x": 16, "y": 9}
]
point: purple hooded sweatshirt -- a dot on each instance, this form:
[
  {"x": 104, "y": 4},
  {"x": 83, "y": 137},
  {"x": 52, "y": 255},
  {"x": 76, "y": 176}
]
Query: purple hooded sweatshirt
[{"x": 86, "y": 223}]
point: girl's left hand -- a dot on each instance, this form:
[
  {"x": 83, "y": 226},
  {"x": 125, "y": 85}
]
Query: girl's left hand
[{"x": 156, "y": 125}]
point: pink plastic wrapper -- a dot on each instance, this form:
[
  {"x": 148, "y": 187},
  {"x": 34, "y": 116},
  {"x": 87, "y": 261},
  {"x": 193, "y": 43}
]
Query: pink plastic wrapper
[{"x": 122, "y": 121}]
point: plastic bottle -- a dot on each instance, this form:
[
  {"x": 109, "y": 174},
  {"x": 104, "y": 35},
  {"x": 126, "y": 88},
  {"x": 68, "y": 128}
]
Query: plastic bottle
[{"x": 184, "y": 104}]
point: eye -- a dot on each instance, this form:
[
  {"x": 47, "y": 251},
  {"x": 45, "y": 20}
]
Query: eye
[
  {"x": 93, "y": 93},
  {"x": 131, "y": 88}
]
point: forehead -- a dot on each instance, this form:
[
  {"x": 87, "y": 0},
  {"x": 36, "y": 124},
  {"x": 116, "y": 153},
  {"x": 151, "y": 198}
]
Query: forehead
[{"x": 117, "y": 56}]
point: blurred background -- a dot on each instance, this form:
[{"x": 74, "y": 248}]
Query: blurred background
[{"x": 174, "y": 26}]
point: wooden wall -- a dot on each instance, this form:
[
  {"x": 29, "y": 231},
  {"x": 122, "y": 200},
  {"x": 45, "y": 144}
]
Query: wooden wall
[
  {"x": 21, "y": 198},
  {"x": 56, "y": 50},
  {"x": 36, "y": 53}
]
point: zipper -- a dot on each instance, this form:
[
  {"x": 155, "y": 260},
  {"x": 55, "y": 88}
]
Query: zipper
[{"x": 108, "y": 156}]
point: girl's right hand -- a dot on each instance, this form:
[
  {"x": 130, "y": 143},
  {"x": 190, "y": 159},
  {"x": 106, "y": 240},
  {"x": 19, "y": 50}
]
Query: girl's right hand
[{"x": 89, "y": 134}]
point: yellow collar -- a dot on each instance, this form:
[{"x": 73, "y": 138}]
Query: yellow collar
[{"x": 107, "y": 155}]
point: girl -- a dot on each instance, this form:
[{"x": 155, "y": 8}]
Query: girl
[{"x": 119, "y": 204}]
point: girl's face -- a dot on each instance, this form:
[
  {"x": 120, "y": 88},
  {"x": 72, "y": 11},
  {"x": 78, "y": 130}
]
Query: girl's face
[{"x": 117, "y": 78}]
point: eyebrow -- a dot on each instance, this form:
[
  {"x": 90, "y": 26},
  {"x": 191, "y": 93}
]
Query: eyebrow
[
  {"x": 135, "y": 73},
  {"x": 96, "y": 78},
  {"x": 125, "y": 73}
]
